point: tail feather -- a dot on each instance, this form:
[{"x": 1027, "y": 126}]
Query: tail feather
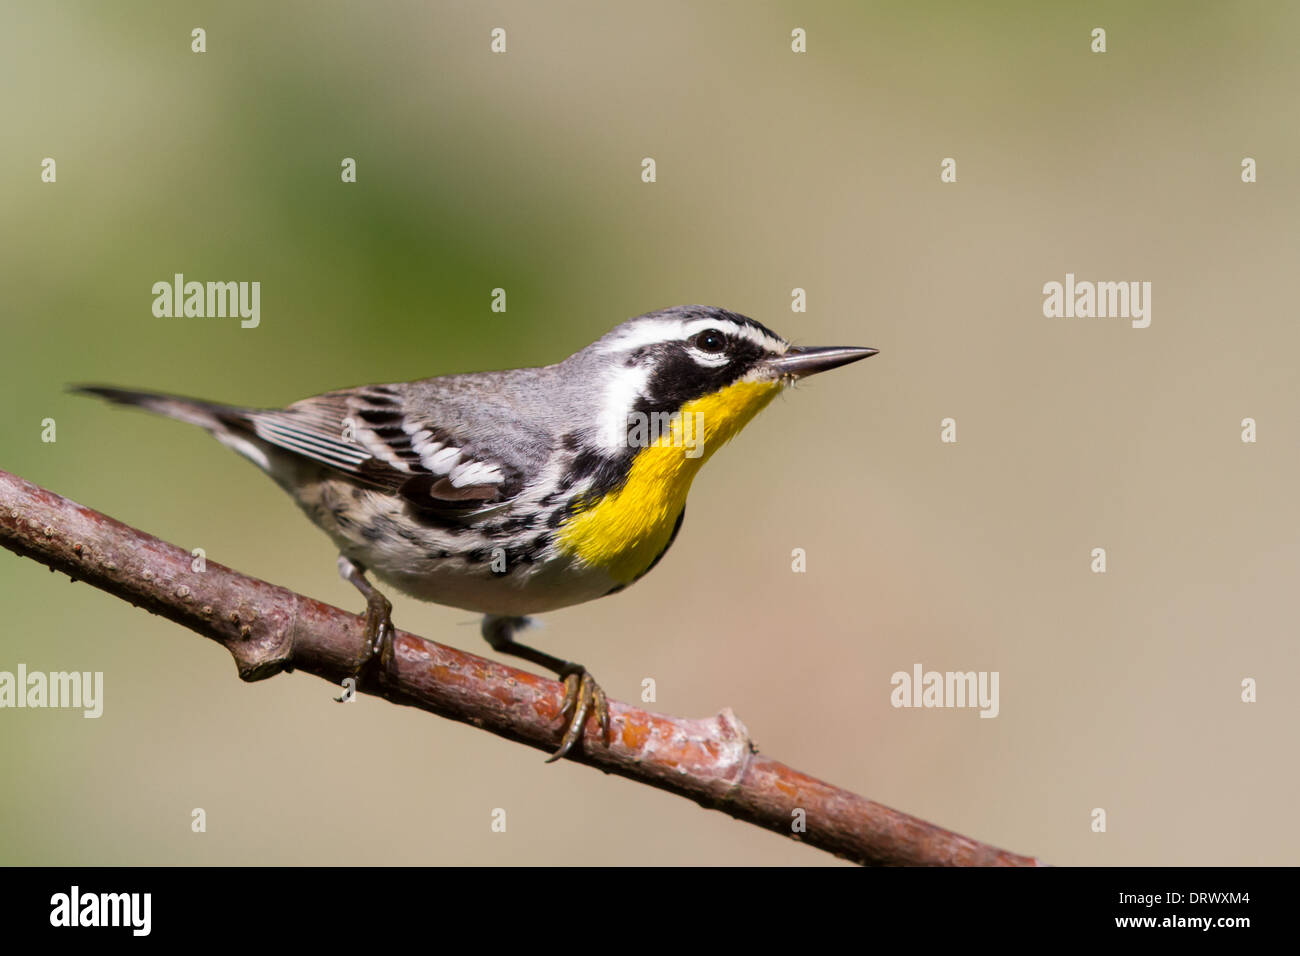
[
  {"x": 207, "y": 415},
  {"x": 229, "y": 424}
]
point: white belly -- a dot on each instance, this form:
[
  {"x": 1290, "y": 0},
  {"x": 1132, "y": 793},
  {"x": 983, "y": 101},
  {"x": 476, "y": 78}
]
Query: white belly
[
  {"x": 541, "y": 587},
  {"x": 434, "y": 565}
]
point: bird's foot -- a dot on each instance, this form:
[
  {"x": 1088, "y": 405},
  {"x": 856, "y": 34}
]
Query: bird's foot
[
  {"x": 377, "y": 635},
  {"x": 583, "y": 699}
]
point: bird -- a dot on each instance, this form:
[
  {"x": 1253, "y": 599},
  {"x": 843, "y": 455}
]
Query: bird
[{"x": 512, "y": 493}]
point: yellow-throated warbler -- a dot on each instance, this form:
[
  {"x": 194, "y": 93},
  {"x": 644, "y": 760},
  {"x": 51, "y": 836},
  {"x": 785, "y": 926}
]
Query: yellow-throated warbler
[{"x": 515, "y": 492}]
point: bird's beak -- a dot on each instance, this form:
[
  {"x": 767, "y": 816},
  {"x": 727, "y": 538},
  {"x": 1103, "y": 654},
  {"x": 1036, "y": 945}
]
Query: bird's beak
[{"x": 798, "y": 362}]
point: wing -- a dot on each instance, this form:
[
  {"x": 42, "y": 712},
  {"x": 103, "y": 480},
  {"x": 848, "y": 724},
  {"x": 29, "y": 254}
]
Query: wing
[{"x": 393, "y": 437}]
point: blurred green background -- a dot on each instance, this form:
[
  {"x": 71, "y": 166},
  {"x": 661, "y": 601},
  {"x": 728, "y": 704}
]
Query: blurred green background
[{"x": 775, "y": 171}]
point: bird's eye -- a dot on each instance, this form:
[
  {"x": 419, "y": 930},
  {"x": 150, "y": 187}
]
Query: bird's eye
[{"x": 710, "y": 340}]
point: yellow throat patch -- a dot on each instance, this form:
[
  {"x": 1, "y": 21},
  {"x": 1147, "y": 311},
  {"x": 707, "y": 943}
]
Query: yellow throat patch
[{"x": 626, "y": 530}]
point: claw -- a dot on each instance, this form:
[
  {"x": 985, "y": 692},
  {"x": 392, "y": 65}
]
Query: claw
[
  {"x": 602, "y": 712},
  {"x": 572, "y": 688},
  {"x": 581, "y": 695},
  {"x": 379, "y": 627}
]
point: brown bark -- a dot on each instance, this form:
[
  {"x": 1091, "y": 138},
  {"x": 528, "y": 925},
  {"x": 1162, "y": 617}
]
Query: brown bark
[{"x": 269, "y": 629}]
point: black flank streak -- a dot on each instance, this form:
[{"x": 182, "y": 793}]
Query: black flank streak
[{"x": 607, "y": 472}]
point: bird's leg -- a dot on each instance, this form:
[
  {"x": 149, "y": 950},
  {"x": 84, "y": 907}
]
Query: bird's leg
[
  {"x": 583, "y": 697},
  {"x": 378, "y": 633}
]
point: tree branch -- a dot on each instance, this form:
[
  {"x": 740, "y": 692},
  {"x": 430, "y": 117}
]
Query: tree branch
[{"x": 269, "y": 629}]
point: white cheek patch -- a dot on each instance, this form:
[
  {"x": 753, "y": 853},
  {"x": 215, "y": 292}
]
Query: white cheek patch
[{"x": 622, "y": 390}]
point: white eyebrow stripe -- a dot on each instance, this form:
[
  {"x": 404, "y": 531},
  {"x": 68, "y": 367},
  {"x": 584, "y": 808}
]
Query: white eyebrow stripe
[
  {"x": 648, "y": 332},
  {"x": 654, "y": 331},
  {"x": 734, "y": 328}
]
